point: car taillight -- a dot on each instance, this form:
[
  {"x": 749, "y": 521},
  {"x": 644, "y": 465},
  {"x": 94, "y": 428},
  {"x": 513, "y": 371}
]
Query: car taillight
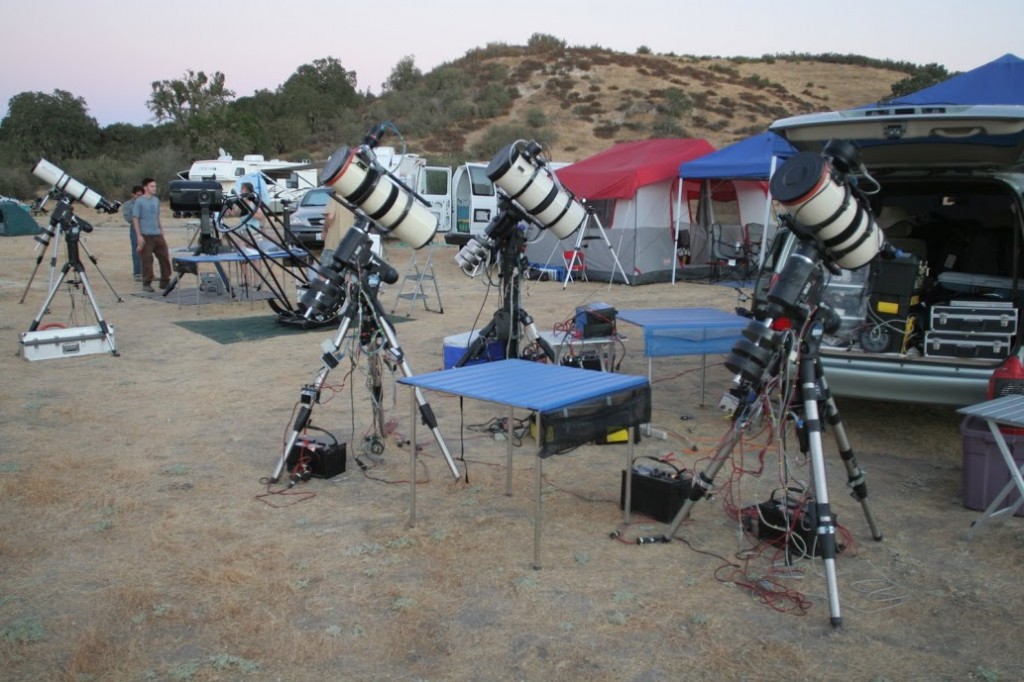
[{"x": 1007, "y": 379}]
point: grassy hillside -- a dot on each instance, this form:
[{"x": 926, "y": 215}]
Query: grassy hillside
[{"x": 582, "y": 100}]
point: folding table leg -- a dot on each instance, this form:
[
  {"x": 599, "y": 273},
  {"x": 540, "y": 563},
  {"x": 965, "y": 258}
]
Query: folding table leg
[
  {"x": 538, "y": 475},
  {"x": 412, "y": 460},
  {"x": 508, "y": 452}
]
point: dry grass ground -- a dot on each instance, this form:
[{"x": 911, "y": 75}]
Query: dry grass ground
[{"x": 135, "y": 545}]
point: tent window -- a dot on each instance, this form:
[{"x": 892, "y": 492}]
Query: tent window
[
  {"x": 726, "y": 212},
  {"x": 603, "y": 209}
]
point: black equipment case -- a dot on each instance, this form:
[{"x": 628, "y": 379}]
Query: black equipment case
[
  {"x": 967, "y": 345},
  {"x": 975, "y": 317}
]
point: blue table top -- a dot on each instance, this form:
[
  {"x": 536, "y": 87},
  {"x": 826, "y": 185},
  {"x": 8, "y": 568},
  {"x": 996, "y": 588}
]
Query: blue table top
[
  {"x": 685, "y": 331},
  {"x": 527, "y": 385},
  {"x": 232, "y": 256},
  {"x": 681, "y": 318}
]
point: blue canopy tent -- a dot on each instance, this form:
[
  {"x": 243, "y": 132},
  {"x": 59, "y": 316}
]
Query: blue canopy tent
[
  {"x": 1001, "y": 81},
  {"x": 753, "y": 159}
]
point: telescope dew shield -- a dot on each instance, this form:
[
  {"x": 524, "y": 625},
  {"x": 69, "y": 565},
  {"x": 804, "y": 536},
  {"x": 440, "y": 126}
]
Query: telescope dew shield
[
  {"x": 388, "y": 205},
  {"x": 529, "y": 185},
  {"x": 818, "y": 198},
  {"x": 46, "y": 171}
]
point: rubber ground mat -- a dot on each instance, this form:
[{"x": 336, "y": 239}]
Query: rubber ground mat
[
  {"x": 235, "y": 329},
  {"x": 190, "y": 296}
]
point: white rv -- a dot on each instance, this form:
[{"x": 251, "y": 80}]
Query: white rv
[{"x": 283, "y": 180}]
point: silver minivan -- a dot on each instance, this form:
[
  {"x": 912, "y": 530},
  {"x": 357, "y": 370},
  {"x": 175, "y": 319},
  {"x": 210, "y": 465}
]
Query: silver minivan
[{"x": 934, "y": 323}]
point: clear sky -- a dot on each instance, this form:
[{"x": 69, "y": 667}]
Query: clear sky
[{"x": 109, "y": 52}]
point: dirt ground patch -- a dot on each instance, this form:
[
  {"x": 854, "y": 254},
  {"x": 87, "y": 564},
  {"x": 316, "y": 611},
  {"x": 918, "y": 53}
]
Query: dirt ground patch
[{"x": 136, "y": 546}]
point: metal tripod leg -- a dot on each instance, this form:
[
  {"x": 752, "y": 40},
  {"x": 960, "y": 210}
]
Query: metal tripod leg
[
  {"x": 826, "y": 530},
  {"x": 102, "y": 323},
  {"x": 611, "y": 249},
  {"x": 855, "y": 478},
  {"x": 705, "y": 479},
  {"x": 49, "y": 297},
  {"x": 55, "y": 235},
  {"x": 311, "y": 392},
  {"x": 97, "y": 266},
  {"x": 426, "y": 412}
]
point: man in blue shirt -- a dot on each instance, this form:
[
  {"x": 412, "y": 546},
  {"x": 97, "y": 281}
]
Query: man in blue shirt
[
  {"x": 150, "y": 233},
  {"x": 126, "y": 211}
]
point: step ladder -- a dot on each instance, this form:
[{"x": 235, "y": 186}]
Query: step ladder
[{"x": 421, "y": 278}]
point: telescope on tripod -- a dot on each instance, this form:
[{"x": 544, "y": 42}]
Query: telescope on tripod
[
  {"x": 779, "y": 351},
  {"x": 352, "y": 281},
  {"x": 530, "y": 195},
  {"x": 41, "y": 343}
]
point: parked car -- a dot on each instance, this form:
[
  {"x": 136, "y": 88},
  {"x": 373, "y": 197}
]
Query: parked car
[
  {"x": 307, "y": 221},
  {"x": 932, "y": 324}
]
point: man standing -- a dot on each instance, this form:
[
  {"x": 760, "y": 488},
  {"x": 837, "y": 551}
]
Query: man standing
[
  {"x": 126, "y": 211},
  {"x": 150, "y": 233}
]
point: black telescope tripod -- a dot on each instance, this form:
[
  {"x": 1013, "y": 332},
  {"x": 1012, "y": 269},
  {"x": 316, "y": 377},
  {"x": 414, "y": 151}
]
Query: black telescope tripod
[
  {"x": 510, "y": 321},
  {"x": 762, "y": 362},
  {"x": 64, "y": 222},
  {"x": 355, "y": 276}
]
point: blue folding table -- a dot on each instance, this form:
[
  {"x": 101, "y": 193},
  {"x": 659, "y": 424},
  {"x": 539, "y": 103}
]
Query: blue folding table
[
  {"x": 685, "y": 331},
  {"x": 187, "y": 263},
  {"x": 570, "y": 404}
]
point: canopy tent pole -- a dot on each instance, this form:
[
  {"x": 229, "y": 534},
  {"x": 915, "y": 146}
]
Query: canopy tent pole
[
  {"x": 767, "y": 214},
  {"x": 679, "y": 213}
]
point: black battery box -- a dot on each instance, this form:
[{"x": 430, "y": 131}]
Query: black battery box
[
  {"x": 788, "y": 523},
  {"x": 595, "y": 320},
  {"x": 658, "y": 490},
  {"x": 310, "y": 457}
]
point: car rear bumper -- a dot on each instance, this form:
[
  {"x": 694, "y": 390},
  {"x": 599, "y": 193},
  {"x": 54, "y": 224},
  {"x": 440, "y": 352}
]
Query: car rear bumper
[{"x": 906, "y": 379}]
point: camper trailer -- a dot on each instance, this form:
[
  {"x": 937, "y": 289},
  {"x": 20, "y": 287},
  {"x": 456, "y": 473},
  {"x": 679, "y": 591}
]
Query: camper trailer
[{"x": 283, "y": 180}]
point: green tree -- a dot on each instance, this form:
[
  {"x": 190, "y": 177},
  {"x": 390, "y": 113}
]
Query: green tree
[
  {"x": 404, "y": 76},
  {"x": 196, "y": 95},
  {"x": 54, "y": 126},
  {"x": 260, "y": 123},
  {"x": 196, "y": 106},
  {"x": 320, "y": 93},
  {"x": 675, "y": 102},
  {"x": 497, "y": 137},
  {"x": 926, "y": 76},
  {"x": 544, "y": 42}
]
